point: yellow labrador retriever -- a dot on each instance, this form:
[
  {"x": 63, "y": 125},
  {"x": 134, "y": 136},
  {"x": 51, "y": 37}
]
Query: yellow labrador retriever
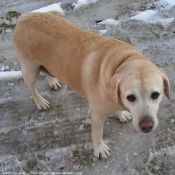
[{"x": 111, "y": 74}]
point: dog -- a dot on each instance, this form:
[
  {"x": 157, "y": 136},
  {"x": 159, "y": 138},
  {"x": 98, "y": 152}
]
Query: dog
[{"x": 112, "y": 75}]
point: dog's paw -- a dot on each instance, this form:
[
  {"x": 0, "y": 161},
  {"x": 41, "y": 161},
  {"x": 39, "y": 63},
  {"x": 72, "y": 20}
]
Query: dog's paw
[
  {"x": 123, "y": 116},
  {"x": 101, "y": 150},
  {"x": 41, "y": 103},
  {"x": 54, "y": 83}
]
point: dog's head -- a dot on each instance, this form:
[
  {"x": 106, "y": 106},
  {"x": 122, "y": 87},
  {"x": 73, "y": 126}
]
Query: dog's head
[{"x": 140, "y": 92}]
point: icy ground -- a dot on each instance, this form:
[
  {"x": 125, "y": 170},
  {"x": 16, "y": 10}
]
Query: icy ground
[{"x": 59, "y": 140}]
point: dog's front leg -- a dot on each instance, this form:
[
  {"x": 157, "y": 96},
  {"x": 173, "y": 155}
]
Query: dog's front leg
[
  {"x": 100, "y": 148},
  {"x": 123, "y": 116}
]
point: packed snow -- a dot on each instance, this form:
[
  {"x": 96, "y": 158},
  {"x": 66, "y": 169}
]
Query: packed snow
[
  {"x": 152, "y": 16},
  {"x": 109, "y": 22},
  {"x": 148, "y": 16},
  {"x": 156, "y": 15},
  {"x": 102, "y": 32},
  {"x": 57, "y": 6},
  {"x": 59, "y": 139},
  {"x": 81, "y": 3},
  {"x": 10, "y": 75},
  {"x": 52, "y": 7}
]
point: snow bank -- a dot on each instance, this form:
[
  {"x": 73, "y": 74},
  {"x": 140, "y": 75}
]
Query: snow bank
[
  {"x": 52, "y": 7},
  {"x": 145, "y": 15},
  {"x": 152, "y": 16},
  {"x": 10, "y": 75},
  {"x": 81, "y": 3}
]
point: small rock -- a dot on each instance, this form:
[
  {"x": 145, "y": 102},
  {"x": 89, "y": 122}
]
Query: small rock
[
  {"x": 171, "y": 120},
  {"x": 87, "y": 121},
  {"x": 81, "y": 127},
  {"x": 61, "y": 168},
  {"x": 55, "y": 132},
  {"x": 150, "y": 166},
  {"x": 126, "y": 157},
  {"x": 135, "y": 154},
  {"x": 98, "y": 21},
  {"x": 156, "y": 167},
  {"x": 106, "y": 166}
]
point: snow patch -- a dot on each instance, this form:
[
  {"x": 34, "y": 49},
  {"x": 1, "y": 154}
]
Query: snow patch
[
  {"x": 10, "y": 75},
  {"x": 102, "y": 32},
  {"x": 109, "y": 22},
  {"x": 145, "y": 15},
  {"x": 152, "y": 16},
  {"x": 52, "y": 7},
  {"x": 164, "y": 4},
  {"x": 81, "y": 3},
  {"x": 156, "y": 15}
]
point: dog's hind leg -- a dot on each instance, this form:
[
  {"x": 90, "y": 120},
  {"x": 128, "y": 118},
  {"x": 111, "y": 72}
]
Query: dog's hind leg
[
  {"x": 30, "y": 72},
  {"x": 53, "y": 82}
]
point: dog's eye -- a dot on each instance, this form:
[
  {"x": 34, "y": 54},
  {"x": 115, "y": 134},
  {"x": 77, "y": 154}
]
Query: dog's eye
[
  {"x": 131, "y": 98},
  {"x": 154, "y": 95}
]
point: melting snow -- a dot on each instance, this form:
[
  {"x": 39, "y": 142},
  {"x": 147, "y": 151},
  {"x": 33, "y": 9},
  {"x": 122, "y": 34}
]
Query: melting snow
[
  {"x": 109, "y": 22},
  {"x": 10, "y": 75},
  {"x": 81, "y": 3},
  {"x": 166, "y": 4},
  {"x": 152, "y": 16},
  {"x": 52, "y": 7},
  {"x": 156, "y": 16},
  {"x": 102, "y": 32},
  {"x": 148, "y": 16}
]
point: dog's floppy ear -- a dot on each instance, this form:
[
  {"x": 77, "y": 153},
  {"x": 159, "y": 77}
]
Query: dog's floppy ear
[
  {"x": 166, "y": 83},
  {"x": 113, "y": 87}
]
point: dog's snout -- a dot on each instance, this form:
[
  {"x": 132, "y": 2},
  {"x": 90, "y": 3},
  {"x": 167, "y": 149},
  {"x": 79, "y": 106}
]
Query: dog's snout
[{"x": 146, "y": 125}]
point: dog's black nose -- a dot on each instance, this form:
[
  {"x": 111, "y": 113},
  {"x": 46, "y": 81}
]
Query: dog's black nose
[{"x": 146, "y": 126}]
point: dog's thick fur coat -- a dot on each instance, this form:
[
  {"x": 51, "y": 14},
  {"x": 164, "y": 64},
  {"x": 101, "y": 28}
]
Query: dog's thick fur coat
[{"x": 112, "y": 75}]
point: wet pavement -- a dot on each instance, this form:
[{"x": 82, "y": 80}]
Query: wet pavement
[{"x": 59, "y": 140}]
